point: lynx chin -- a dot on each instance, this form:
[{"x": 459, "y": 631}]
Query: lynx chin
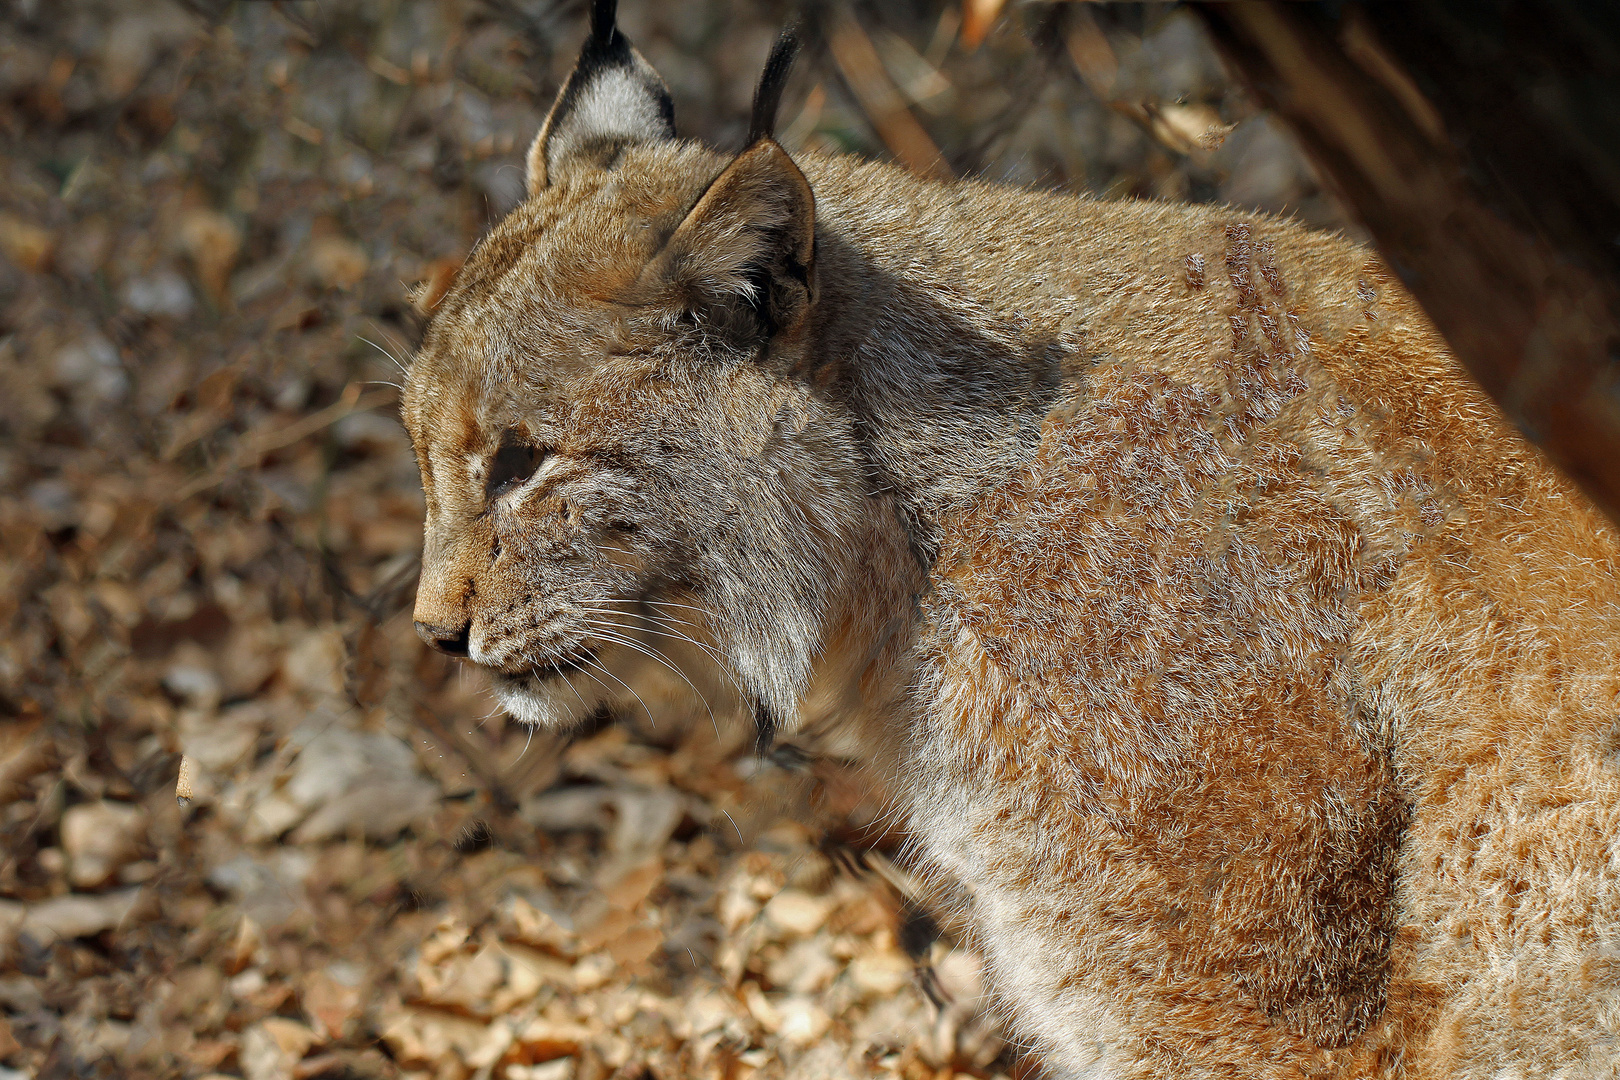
[{"x": 1249, "y": 684}]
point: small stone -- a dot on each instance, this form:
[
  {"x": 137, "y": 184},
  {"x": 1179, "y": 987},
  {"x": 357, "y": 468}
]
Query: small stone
[
  {"x": 160, "y": 294},
  {"x": 880, "y": 974},
  {"x": 800, "y": 1020},
  {"x": 646, "y": 818},
  {"x": 378, "y": 810},
  {"x": 271, "y": 1049},
  {"x": 100, "y": 837},
  {"x": 90, "y": 369},
  {"x": 78, "y": 915},
  {"x": 561, "y": 1069},
  {"x": 193, "y": 684},
  {"x": 805, "y": 968},
  {"x": 798, "y": 913},
  {"x": 592, "y": 971}
]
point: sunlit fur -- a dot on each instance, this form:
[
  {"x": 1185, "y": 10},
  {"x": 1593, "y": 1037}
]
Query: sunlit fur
[{"x": 1250, "y": 684}]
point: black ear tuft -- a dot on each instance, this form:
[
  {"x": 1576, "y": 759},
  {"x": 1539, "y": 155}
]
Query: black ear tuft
[
  {"x": 768, "y": 95},
  {"x": 604, "y": 18},
  {"x": 613, "y": 99}
]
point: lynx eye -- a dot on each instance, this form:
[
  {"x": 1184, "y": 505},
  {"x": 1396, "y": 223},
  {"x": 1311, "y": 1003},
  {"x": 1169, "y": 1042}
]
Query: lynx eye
[{"x": 512, "y": 464}]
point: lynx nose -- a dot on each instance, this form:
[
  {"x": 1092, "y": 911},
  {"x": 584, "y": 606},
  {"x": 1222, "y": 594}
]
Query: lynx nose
[{"x": 448, "y": 641}]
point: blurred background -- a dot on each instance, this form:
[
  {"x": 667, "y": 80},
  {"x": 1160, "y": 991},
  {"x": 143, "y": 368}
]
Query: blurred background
[{"x": 210, "y": 216}]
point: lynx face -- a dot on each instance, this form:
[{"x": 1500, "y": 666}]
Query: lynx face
[{"x": 615, "y": 451}]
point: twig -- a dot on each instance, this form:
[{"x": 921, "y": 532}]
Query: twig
[
  {"x": 1023, "y": 98},
  {"x": 538, "y": 30},
  {"x": 858, "y": 62},
  {"x": 256, "y": 445}
]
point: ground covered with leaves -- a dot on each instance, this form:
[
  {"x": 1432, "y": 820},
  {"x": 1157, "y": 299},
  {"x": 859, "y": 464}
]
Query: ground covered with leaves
[{"x": 209, "y": 218}]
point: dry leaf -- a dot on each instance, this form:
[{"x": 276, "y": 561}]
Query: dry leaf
[
  {"x": 547, "y": 1040},
  {"x": 24, "y": 243},
  {"x": 978, "y": 16},
  {"x": 858, "y": 60},
  {"x": 213, "y": 243},
  {"x": 338, "y": 263}
]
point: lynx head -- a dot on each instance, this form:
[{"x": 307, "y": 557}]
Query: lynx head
[{"x": 618, "y": 439}]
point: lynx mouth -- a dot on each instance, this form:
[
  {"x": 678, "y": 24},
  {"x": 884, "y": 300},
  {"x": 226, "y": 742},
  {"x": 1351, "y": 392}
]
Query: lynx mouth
[{"x": 541, "y": 695}]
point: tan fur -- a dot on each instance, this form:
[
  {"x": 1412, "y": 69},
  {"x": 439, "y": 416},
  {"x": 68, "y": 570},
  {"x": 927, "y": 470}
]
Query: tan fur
[{"x": 1251, "y": 684}]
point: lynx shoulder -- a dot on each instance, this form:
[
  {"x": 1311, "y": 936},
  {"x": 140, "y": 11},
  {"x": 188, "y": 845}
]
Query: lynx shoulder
[{"x": 1253, "y": 687}]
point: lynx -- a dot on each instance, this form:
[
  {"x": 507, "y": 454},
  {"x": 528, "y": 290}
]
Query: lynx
[{"x": 1250, "y": 684}]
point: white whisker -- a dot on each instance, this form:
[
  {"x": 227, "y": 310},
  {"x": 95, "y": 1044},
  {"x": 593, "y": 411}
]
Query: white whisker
[
  {"x": 392, "y": 358},
  {"x": 614, "y": 634},
  {"x": 651, "y": 603},
  {"x": 712, "y": 653},
  {"x": 603, "y": 668}
]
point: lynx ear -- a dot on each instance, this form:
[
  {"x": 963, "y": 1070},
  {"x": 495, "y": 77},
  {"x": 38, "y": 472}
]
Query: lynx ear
[
  {"x": 743, "y": 260},
  {"x": 614, "y": 99}
]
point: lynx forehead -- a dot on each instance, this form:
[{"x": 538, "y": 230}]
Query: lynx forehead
[{"x": 1242, "y": 676}]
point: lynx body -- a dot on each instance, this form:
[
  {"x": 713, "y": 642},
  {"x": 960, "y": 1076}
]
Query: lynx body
[{"x": 1250, "y": 684}]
